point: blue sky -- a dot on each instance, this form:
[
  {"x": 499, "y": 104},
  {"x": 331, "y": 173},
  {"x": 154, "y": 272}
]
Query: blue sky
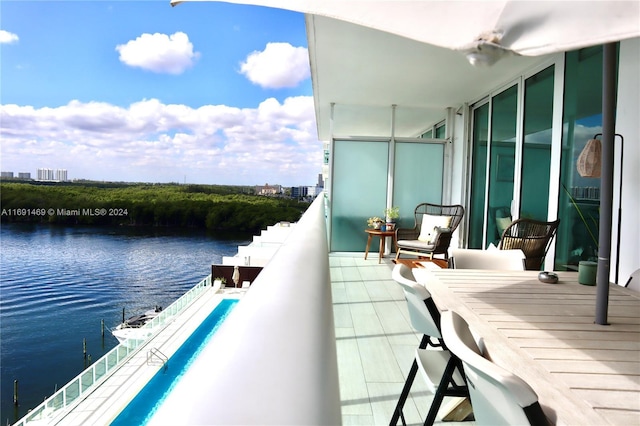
[{"x": 203, "y": 92}]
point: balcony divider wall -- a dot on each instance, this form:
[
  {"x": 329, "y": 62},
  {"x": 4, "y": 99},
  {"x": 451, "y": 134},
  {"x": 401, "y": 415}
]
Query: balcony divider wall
[{"x": 361, "y": 174}]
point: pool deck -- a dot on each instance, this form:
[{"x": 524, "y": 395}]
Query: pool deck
[{"x": 108, "y": 399}]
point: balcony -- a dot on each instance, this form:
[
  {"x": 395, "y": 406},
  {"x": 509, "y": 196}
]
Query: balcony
[{"x": 319, "y": 338}]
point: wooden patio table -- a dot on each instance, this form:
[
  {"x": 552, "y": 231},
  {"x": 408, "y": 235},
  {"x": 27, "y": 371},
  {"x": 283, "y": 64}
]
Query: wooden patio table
[{"x": 583, "y": 373}]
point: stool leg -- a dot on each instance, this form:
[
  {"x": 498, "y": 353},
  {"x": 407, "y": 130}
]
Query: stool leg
[
  {"x": 366, "y": 250},
  {"x": 407, "y": 386}
]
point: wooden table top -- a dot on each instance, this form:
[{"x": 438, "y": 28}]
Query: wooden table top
[
  {"x": 380, "y": 232},
  {"x": 583, "y": 373}
]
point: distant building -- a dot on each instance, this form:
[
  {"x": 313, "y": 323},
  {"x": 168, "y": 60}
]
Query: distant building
[
  {"x": 45, "y": 174},
  {"x": 269, "y": 190},
  {"x": 308, "y": 192},
  {"x": 299, "y": 191},
  {"x": 59, "y": 175},
  {"x": 21, "y": 175}
]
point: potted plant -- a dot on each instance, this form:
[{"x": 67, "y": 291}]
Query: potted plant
[
  {"x": 375, "y": 222},
  {"x": 391, "y": 214},
  {"x": 587, "y": 269},
  {"x": 221, "y": 280}
]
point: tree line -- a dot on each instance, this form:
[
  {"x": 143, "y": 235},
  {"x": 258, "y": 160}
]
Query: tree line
[{"x": 211, "y": 207}]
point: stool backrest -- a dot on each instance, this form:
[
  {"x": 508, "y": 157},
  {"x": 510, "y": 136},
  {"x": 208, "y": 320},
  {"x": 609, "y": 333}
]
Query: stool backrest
[
  {"x": 506, "y": 260},
  {"x": 423, "y": 319},
  {"x": 498, "y": 396}
]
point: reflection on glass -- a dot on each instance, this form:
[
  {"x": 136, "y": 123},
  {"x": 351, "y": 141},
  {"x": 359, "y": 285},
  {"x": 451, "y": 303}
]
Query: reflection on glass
[
  {"x": 478, "y": 175},
  {"x": 536, "y": 160},
  {"x": 502, "y": 162},
  {"x": 582, "y": 119}
]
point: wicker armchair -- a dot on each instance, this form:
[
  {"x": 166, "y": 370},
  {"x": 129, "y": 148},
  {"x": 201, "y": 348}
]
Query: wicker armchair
[
  {"x": 431, "y": 233},
  {"x": 533, "y": 237}
]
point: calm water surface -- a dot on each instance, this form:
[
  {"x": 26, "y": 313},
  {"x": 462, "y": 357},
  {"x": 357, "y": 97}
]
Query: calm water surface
[{"x": 58, "y": 283}]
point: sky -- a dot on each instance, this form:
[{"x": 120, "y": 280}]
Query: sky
[{"x": 140, "y": 91}]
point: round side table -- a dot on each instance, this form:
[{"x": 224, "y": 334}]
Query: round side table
[{"x": 378, "y": 233}]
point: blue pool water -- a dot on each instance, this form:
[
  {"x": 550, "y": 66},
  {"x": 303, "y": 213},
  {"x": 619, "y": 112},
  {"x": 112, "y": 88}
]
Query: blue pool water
[{"x": 144, "y": 405}]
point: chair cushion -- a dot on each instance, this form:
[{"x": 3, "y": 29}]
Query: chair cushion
[
  {"x": 416, "y": 245},
  {"x": 502, "y": 223},
  {"x": 428, "y": 231}
]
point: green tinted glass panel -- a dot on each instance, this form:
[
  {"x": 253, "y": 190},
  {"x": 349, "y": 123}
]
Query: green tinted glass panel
[
  {"x": 441, "y": 132},
  {"x": 417, "y": 177},
  {"x": 536, "y": 160},
  {"x": 428, "y": 134},
  {"x": 502, "y": 161},
  {"x": 582, "y": 119},
  {"x": 479, "y": 175},
  {"x": 359, "y": 191}
]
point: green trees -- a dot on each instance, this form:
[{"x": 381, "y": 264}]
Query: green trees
[{"x": 181, "y": 206}]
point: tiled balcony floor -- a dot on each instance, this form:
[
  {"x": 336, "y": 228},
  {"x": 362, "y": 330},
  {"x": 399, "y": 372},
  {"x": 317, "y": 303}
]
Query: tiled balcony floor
[{"x": 375, "y": 343}]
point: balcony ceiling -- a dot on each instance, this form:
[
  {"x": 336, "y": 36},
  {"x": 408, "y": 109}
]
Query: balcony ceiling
[{"x": 364, "y": 71}]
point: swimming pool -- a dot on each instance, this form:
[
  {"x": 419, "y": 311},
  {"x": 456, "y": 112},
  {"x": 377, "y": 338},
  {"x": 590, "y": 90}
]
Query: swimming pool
[{"x": 141, "y": 408}]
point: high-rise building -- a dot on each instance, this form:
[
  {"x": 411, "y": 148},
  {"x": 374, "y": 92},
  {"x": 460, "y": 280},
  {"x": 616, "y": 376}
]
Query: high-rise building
[{"x": 59, "y": 175}]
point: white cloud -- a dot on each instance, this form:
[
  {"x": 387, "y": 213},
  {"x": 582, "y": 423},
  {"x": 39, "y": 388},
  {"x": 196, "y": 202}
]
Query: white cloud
[
  {"x": 153, "y": 142},
  {"x": 278, "y": 65},
  {"x": 159, "y": 53},
  {"x": 7, "y": 38}
]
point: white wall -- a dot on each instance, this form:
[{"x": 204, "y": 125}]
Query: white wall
[
  {"x": 459, "y": 171},
  {"x": 628, "y": 125}
]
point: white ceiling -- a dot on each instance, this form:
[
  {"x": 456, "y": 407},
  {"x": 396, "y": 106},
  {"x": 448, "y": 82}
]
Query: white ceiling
[{"x": 364, "y": 71}]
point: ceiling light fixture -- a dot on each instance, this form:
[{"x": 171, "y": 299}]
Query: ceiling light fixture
[{"x": 486, "y": 50}]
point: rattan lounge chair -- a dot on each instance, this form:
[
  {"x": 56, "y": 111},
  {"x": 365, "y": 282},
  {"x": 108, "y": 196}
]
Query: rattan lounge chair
[
  {"x": 531, "y": 236},
  {"x": 432, "y": 231}
]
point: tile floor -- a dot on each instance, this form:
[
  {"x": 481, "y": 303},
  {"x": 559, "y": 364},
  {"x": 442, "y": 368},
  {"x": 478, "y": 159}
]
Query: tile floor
[{"x": 375, "y": 343}]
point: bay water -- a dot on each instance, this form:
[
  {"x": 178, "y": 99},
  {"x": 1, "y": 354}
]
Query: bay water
[{"x": 57, "y": 285}]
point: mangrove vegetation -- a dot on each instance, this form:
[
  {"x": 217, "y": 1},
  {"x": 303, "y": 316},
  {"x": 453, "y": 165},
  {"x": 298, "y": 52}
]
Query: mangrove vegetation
[{"x": 212, "y": 207}]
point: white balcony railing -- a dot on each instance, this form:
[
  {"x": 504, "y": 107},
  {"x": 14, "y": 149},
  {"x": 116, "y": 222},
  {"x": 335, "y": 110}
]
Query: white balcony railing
[{"x": 273, "y": 360}]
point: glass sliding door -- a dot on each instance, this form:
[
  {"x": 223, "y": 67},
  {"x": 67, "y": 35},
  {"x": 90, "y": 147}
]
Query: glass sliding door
[
  {"x": 417, "y": 177},
  {"x": 478, "y": 176},
  {"x": 359, "y": 191},
  {"x": 579, "y": 200},
  {"x": 502, "y": 155},
  {"x": 494, "y": 158},
  {"x": 536, "y": 152}
]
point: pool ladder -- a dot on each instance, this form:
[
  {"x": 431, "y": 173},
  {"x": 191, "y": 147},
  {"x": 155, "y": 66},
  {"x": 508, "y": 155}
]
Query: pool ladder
[{"x": 155, "y": 357}]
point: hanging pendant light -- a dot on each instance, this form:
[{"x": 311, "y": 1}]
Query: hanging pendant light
[{"x": 590, "y": 159}]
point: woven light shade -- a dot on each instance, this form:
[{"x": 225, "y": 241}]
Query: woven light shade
[{"x": 590, "y": 159}]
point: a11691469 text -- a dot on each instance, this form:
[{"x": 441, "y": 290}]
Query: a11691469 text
[{"x": 65, "y": 212}]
